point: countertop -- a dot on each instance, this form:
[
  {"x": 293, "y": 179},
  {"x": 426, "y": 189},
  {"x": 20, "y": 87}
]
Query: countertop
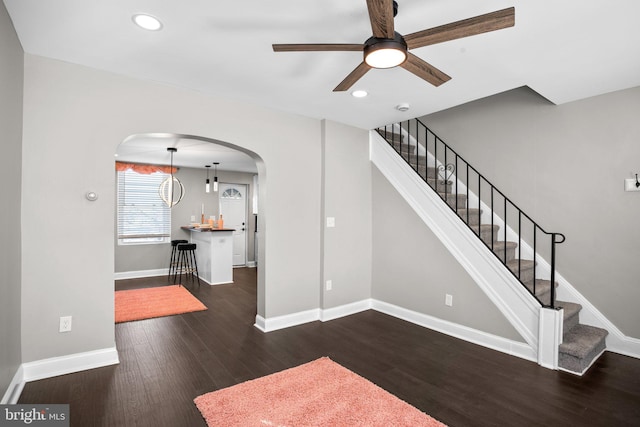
[{"x": 202, "y": 230}]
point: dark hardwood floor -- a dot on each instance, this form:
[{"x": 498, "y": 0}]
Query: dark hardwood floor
[{"x": 166, "y": 362}]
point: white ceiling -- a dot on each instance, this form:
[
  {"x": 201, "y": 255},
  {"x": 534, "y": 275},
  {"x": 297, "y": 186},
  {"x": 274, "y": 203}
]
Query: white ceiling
[{"x": 565, "y": 50}]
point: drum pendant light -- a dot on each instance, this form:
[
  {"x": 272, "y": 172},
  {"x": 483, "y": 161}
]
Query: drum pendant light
[
  {"x": 215, "y": 177},
  {"x": 207, "y": 185}
]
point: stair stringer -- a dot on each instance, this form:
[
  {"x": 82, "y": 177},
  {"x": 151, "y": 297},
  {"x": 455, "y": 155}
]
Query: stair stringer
[{"x": 496, "y": 281}]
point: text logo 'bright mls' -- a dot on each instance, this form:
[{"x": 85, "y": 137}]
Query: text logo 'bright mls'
[{"x": 35, "y": 415}]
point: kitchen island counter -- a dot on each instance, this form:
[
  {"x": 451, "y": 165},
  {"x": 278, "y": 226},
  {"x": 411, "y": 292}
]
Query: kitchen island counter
[{"x": 214, "y": 253}]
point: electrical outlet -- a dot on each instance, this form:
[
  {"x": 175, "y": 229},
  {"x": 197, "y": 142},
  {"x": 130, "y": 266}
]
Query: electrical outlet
[
  {"x": 331, "y": 222},
  {"x": 193, "y": 218},
  {"x": 448, "y": 300},
  {"x": 329, "y": 285},
  {"x": 65, "y": 324}
]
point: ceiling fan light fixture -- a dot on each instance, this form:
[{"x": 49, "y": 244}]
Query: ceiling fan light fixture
[
  {"x": 385, "y": 58},
  {"x": 385, "y": 53}
]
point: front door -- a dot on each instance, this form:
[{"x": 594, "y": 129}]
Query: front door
[{"x": 233, "y": 208}]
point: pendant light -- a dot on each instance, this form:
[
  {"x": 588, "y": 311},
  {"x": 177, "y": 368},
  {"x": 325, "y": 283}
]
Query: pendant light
[
  {"x": 169, "y": 186},
  {"x": 207, "y": 186},
  {"x": 215, "y": 177}
]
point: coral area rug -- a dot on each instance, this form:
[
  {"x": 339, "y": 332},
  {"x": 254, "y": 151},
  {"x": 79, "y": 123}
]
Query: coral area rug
[
  {"x": 318, "y": 393},
  {"x": 138, "y": 304}
]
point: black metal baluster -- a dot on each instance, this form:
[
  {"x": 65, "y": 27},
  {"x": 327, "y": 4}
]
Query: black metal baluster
[
  {"x": 479, "y": 200},
  {"x": 505, "y": 228},
  {"x": 467, "y": 179},
  {"x": 535, "y": 229},
  {"x": 435, "y": 157},
  {"x": 491, "y": 213},
  {"x": 552, "y": 296},
  {"x": 519, "y": 243}
]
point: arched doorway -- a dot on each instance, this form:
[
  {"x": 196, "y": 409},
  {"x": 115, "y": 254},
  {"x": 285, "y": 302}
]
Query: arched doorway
[{"x": 193, "y": 153}]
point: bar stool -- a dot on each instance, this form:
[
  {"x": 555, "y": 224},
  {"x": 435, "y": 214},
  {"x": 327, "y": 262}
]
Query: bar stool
[
  {"x": 187, "y": 262},
  {"x": 173, "y": 263}
]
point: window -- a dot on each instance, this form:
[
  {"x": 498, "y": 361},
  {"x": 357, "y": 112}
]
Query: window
[
  {"x": 231, "y": 193},
  {"x": 143, "y": 217}
]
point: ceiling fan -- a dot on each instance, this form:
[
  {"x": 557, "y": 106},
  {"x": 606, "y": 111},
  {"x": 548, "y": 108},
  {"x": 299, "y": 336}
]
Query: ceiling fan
[{"x": 387, "y": 48}]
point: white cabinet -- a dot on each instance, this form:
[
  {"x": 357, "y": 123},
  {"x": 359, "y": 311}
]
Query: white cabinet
[{"x": 214, "y": 254}]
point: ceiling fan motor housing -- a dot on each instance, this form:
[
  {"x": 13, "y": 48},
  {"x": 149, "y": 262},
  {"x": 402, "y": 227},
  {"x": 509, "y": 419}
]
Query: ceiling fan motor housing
[{"x": 394, "y": 45}]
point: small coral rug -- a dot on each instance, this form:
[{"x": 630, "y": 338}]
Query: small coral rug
[
  {"x": 318, "y": 393},
  {"x": 138, "y": 304}
]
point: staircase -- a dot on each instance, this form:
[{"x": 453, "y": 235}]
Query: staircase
[{"x": 581, "y": 344}]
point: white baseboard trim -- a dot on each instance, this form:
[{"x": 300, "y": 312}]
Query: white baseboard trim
[
  {"x": 287, "y": 320},
  {"x": 13, "y": 392},
  {"x": 251, "y": 264},
  {"x": 52, "y": 367},
  {"x": 68, "y": 364},
  {"x": 625, "y": 345},
  {"x": 344, "y": 310},
  {"x": 504, "y": 345},
  {"x": 141, "y": 273},
  {"x": 324, "y": 315}
]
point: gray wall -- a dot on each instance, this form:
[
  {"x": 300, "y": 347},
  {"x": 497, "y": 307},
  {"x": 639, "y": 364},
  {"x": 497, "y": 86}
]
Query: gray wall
[
  {"x": 11, "y": 83},
  {"x": 131, "y": 258},
  {"x": 413, "y": 270},
  {"x": 76, "y": 117},
  {"x": 346, "y": 196},
  {"x": 565, "y": 166}
]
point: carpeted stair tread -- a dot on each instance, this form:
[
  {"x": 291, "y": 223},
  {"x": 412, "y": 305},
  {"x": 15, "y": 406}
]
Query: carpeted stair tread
[
  {"x": 474, "y": 215},
  {"x": 581, "y": 340},
  {"x": 424, "y": 171},
  {"x": 456, "y": 201},
  {"x": 417, "y": 160},
  {"x": 543, "y": 290},
  {"x": 571, "y": 315},
  {"x": 542, "y": 286},
  {"x": 484, "y": 227},
  {"x": 392, "y": 136},
  {"x": 487, "y": 232},
  {"x": 570, "y": 308},
  {"x": 499, "y": 249},
  {"x": 500, "y": 244},
  {"x": 440, "y": 184},
  {"x": 524, "y": 269},
  {"x": 525, "y": 264}
]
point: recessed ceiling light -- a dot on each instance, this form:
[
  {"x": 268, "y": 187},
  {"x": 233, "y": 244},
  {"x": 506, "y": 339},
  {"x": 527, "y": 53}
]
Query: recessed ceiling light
[
  {"x": 359, "y": 93},
  {"x": 147, "y": 22}
]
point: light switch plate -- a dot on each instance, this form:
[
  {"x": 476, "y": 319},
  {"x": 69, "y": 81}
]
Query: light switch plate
[
  {"x": 448, "y": 300},
  {"x": 331, "y": 222}
]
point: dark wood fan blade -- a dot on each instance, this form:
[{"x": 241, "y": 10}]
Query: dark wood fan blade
[
  {"x": 424, "y": 70},
  {"x": 317, "y": 47},
  {"x": 353, "y": 77},
  {"x": 381, "y": 17},
  {"x": 467, "y": 27}
]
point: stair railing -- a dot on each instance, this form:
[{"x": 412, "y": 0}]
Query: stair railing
[{"x": 425, "y": 151}]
